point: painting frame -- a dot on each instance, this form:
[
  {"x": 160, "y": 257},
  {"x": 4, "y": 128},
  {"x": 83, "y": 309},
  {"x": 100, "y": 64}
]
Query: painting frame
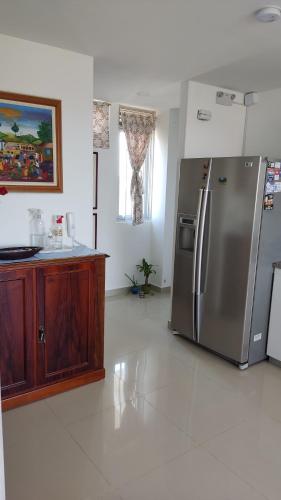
[
  {"x": 54, "y": 105},
  {"x": 95, "y": 230},
  {"x": 95, "y": 178}
]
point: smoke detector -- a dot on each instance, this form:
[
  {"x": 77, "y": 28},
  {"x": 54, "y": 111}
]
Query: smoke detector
[{"x": 268, "y": 14}]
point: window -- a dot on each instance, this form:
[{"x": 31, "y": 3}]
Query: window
[{"x": 125, "y": 175}]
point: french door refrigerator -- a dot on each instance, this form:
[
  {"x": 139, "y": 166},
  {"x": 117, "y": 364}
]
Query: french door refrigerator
[{"x": 228, "y": 235}]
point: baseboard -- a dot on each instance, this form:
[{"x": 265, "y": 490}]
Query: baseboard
[
  {"x": 52, "y": 389},
  {"x": 163, "y": 289},
  {"x": 125, "y": 290},
  {"x": 117, "y": 291},
  {"x": 274, "y": 361}
]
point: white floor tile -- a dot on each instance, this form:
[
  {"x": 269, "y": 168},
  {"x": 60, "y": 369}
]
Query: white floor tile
[
  {"x": 127, "y": 442},
  {"x": 149, "y": 369},
  {"x": 134, "y": 435},
  {"x": 110, "y": 496},
  {"x": 90, "y": 399},
  {"x": 42, "y": 461},
  {"x": 28, "y": 423},
  {"x": 201, "y": 407},
  {"x": 253, "y": 451},
  {"x": 194, "y": 476}
]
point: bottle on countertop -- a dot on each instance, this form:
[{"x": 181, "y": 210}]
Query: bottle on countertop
[
  {"x": 57, "y": 231},
  {"x": 37, "y": 228}
]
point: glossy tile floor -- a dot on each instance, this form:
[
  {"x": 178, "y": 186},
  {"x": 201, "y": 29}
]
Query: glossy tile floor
[{"x": 170, "y": 422}]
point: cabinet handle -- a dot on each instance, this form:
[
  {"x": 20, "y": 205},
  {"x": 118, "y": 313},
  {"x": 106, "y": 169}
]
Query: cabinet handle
[{"x": 41, "y": 336}]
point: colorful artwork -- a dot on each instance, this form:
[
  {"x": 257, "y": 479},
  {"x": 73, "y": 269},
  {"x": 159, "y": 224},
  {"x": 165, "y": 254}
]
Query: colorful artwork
[{"x": 30, "y": 143}]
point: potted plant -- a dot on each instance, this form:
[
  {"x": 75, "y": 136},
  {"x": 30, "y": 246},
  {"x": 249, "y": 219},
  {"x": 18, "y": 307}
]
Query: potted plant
[
  {"x": 147, "y": 269},
  {"x": 135, "y": 286}
]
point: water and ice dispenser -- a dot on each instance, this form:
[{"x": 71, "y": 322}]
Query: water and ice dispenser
[{"x": 186, "y": 232}]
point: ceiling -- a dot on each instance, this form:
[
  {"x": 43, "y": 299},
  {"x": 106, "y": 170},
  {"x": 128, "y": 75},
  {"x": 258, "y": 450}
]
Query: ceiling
[
  {"x": 258, "y": 72},
  {"x": 149, "y": 46}
]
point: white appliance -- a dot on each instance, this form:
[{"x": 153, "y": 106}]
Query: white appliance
[{"x": 274, "y": 333}]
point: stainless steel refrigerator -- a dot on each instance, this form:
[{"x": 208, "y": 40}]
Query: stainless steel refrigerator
[{"x": 228, "y": 235}]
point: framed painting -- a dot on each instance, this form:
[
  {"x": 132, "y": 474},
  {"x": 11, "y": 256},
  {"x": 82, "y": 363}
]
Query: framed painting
[
  {"x": 95, "y": 177},
  {"x": 30, "y": 143}
]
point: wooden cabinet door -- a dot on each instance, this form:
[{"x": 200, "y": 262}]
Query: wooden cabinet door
[
  {"x": 17, "y": 338},
  {"x": 67, "y": 302}
]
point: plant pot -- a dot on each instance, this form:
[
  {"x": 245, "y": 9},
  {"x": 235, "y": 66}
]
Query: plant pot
[
  {"x": 146, "y": 289},
  {"x": 135, "y": 290}
]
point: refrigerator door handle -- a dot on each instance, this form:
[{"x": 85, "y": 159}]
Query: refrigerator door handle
[
  {"x": 195, "y": 252},
  {"x": 198, "y": 275}
]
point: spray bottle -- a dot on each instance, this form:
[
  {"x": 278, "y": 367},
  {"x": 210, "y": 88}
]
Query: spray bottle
[{"x": 57, "y": 231}]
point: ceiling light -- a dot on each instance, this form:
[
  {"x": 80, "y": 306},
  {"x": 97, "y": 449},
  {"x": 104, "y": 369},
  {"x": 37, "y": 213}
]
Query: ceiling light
[{"x": 268, "y": 14}]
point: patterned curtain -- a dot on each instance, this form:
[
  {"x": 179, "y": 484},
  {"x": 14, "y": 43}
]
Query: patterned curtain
[
  {"x": 138, "y": 127},
  {"x": 101, "y": 125}
]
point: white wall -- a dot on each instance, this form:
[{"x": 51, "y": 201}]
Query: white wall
[
  {"x": 171, "y": 190},
  {"x": 178, "y": 133},
  {"x": 159, "y": 195},
  {"x": 223, "y": 134},
  {"x": 41, "y": 70},
  {"x": 164, "y": 189},
  {"x": 189, "y": 137},
  {"x": 177, "y": 140},
  {"x": 164, "y": 192},
  {"x": 181, "y": 134},
  {"x": 264, "y": 126},
  {"x": 182, "y": 118},
  {"x": 126, "y": 244}
]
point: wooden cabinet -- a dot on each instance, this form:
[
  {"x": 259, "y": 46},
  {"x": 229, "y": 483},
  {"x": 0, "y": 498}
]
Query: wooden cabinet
[
  {"x": 16, "y": 331},
  {"x": 67, "y": 311},
  {"x": 51, "y": 327}
]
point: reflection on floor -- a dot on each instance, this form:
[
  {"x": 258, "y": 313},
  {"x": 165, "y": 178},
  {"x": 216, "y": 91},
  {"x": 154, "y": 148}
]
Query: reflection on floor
[{"x": 170, "y": 422}]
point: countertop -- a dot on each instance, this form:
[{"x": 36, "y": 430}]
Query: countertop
[{"x": 76, "y": 252}]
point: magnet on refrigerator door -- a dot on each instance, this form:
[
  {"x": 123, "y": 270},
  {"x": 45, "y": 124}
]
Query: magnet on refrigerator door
[{"x": 268, "y": 202}]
